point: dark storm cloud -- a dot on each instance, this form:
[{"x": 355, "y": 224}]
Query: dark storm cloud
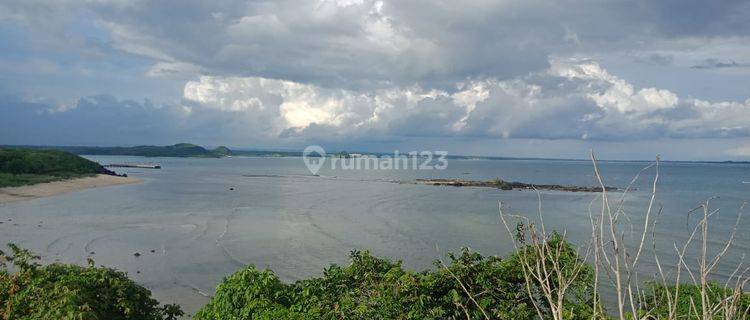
[
  {"x": 696, "y": 17},
  {"x": 98, "y": 120},
  {"x": 362, "y": 44}
]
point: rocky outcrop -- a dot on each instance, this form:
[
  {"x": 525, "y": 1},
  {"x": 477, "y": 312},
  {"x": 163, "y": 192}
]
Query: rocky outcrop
[{"x": 509, "y": 185}]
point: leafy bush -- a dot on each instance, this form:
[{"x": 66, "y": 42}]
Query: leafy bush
[
  {"x": 689, "y": 300},
  {"x": 373, "y": 288},
  {"x": 61, "y": 291}
]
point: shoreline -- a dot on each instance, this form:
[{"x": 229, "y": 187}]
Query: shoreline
[{"x": 48, "y": 189}]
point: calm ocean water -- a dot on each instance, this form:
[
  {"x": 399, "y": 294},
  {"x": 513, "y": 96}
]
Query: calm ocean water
[{"x": 192, "y": 230}]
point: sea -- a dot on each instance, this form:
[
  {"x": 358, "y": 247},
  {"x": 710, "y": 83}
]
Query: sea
[{"x": 195, "y": 221}]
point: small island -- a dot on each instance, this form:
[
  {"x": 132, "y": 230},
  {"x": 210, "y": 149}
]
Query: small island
[{"x": 509, "y": 185}]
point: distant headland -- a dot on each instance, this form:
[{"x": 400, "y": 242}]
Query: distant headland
[
  {"x": 181, "y": 150},
  {"x": 177, "y": 150}
]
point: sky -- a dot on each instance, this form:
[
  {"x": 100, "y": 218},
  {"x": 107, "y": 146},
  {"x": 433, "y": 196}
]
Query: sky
[{"x": 553, "y": 79}]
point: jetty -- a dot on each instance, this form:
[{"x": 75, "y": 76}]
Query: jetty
[{"x": 142, "y": 166}]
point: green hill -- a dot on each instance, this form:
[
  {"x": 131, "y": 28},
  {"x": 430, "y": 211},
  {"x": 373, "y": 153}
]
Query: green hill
[
  {"x": 177, "y": 150},
  {"x": 222, "y": 151},
  {"x": 20, "y": 166}
]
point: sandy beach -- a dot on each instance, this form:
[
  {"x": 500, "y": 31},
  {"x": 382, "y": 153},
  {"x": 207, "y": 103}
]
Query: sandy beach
[{"x": 58, "y": 187}]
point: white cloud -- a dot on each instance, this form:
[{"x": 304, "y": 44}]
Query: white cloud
[
  {"x": 468, "y": 98},
  {"x": 575, "y": 99},
  {"x": 619, "y": 95}
]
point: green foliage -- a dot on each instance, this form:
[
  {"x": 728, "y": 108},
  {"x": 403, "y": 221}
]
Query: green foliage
[
  {"x": 377, "y": 288},
  {"x": 656, "y": 300},
  {"x": 368, "y": 288},
  {"x": 50, "y": 162},
  {"x": 60, "y": 291},
  {"x": 27, "y": 166}
]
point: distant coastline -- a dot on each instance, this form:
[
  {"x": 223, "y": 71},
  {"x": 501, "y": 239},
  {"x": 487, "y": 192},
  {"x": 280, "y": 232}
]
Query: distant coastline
[
  {"x": 182, "y": 150},
  {"x": 189, "y": 150}
]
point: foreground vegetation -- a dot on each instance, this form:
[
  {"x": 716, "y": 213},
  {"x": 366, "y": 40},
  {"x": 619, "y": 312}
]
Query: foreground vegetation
[
  {"x": 63, "y": 291},
  {"x": 469, "y": 286},
  {"x": 19, "y": 166},
  {"x": 373, "y": 288}
]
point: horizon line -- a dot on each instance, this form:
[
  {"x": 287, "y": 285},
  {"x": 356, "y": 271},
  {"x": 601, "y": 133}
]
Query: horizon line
[{"x": 271, "y": 149}]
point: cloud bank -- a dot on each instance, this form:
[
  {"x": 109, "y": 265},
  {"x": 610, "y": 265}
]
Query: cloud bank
[
  {"x": 281, "y": 73},
  {"x": 573, "y": 99}
]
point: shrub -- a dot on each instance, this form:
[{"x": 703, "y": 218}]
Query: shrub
[
  {"x": 62, "y": 291},
  {"x": 688, "y": 304},
  {"x": 374, "y": 288}
]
